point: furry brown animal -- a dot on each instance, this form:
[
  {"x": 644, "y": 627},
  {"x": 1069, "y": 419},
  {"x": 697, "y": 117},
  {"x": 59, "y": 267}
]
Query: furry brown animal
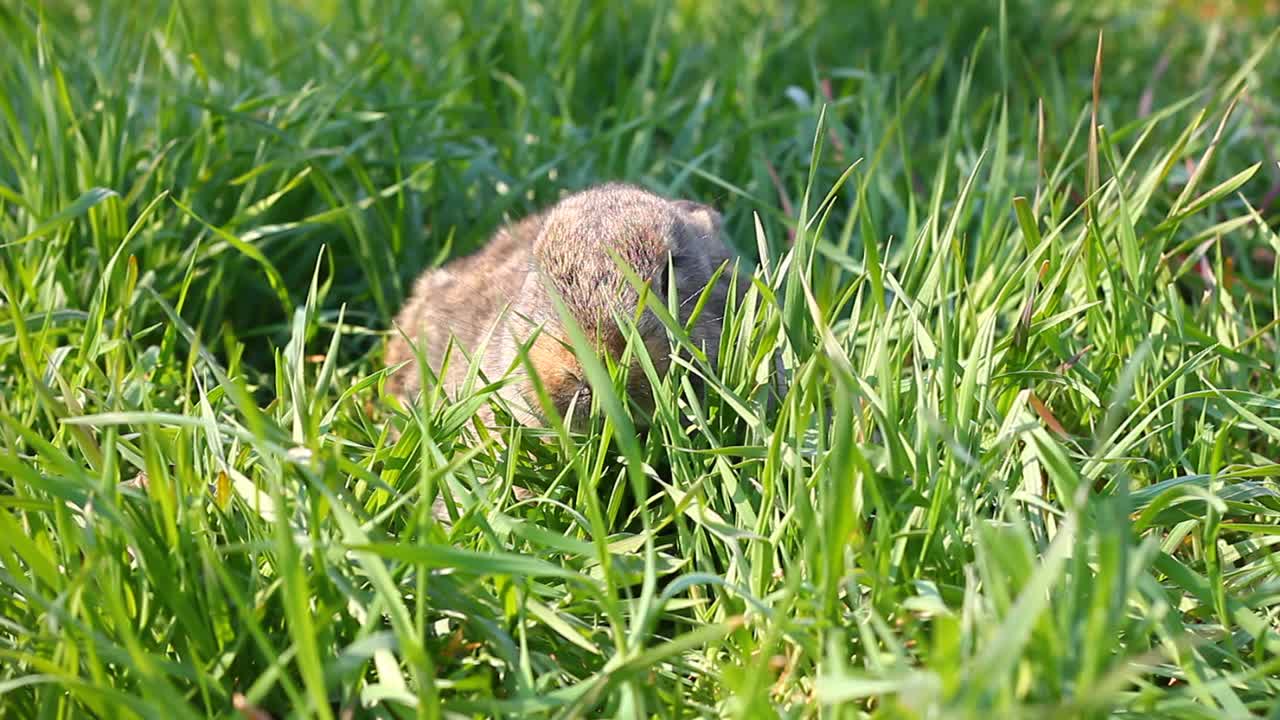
[{"x": 499, "y": 298}]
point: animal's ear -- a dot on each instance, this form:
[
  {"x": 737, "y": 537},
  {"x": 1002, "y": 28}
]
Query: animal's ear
[{"x": 702, "y": 218}]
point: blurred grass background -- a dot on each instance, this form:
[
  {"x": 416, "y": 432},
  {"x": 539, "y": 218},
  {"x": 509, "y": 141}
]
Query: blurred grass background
[{"x": 209, "y": 213}]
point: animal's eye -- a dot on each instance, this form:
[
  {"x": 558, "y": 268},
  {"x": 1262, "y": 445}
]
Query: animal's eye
[{"x": 679, "y": 258}]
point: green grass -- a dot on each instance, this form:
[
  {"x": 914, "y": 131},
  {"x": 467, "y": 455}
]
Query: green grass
[{"x": 1025, "y": 466}]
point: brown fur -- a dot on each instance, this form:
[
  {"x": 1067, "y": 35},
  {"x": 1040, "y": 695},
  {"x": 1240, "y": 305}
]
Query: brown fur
[{"x": 503, "y": 292}]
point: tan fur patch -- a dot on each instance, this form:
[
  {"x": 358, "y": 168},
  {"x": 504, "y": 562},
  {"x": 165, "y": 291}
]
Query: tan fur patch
[{"x": 556, "y": 366}]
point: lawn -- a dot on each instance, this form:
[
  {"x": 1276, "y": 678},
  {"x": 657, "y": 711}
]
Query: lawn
[{"x": 1016, "y": 259}]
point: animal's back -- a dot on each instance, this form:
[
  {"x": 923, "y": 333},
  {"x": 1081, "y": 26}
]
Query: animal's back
[{"x": 462, "y": 298}]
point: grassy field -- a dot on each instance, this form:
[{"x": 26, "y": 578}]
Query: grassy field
[{"x": 1024, "y": 286}]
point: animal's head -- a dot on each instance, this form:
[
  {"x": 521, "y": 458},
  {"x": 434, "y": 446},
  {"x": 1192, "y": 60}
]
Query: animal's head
[{"x": 572, "y": 259}]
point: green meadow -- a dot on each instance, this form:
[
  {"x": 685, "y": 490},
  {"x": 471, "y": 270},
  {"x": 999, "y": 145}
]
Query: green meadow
[{"x": 1015, "y": 260}]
